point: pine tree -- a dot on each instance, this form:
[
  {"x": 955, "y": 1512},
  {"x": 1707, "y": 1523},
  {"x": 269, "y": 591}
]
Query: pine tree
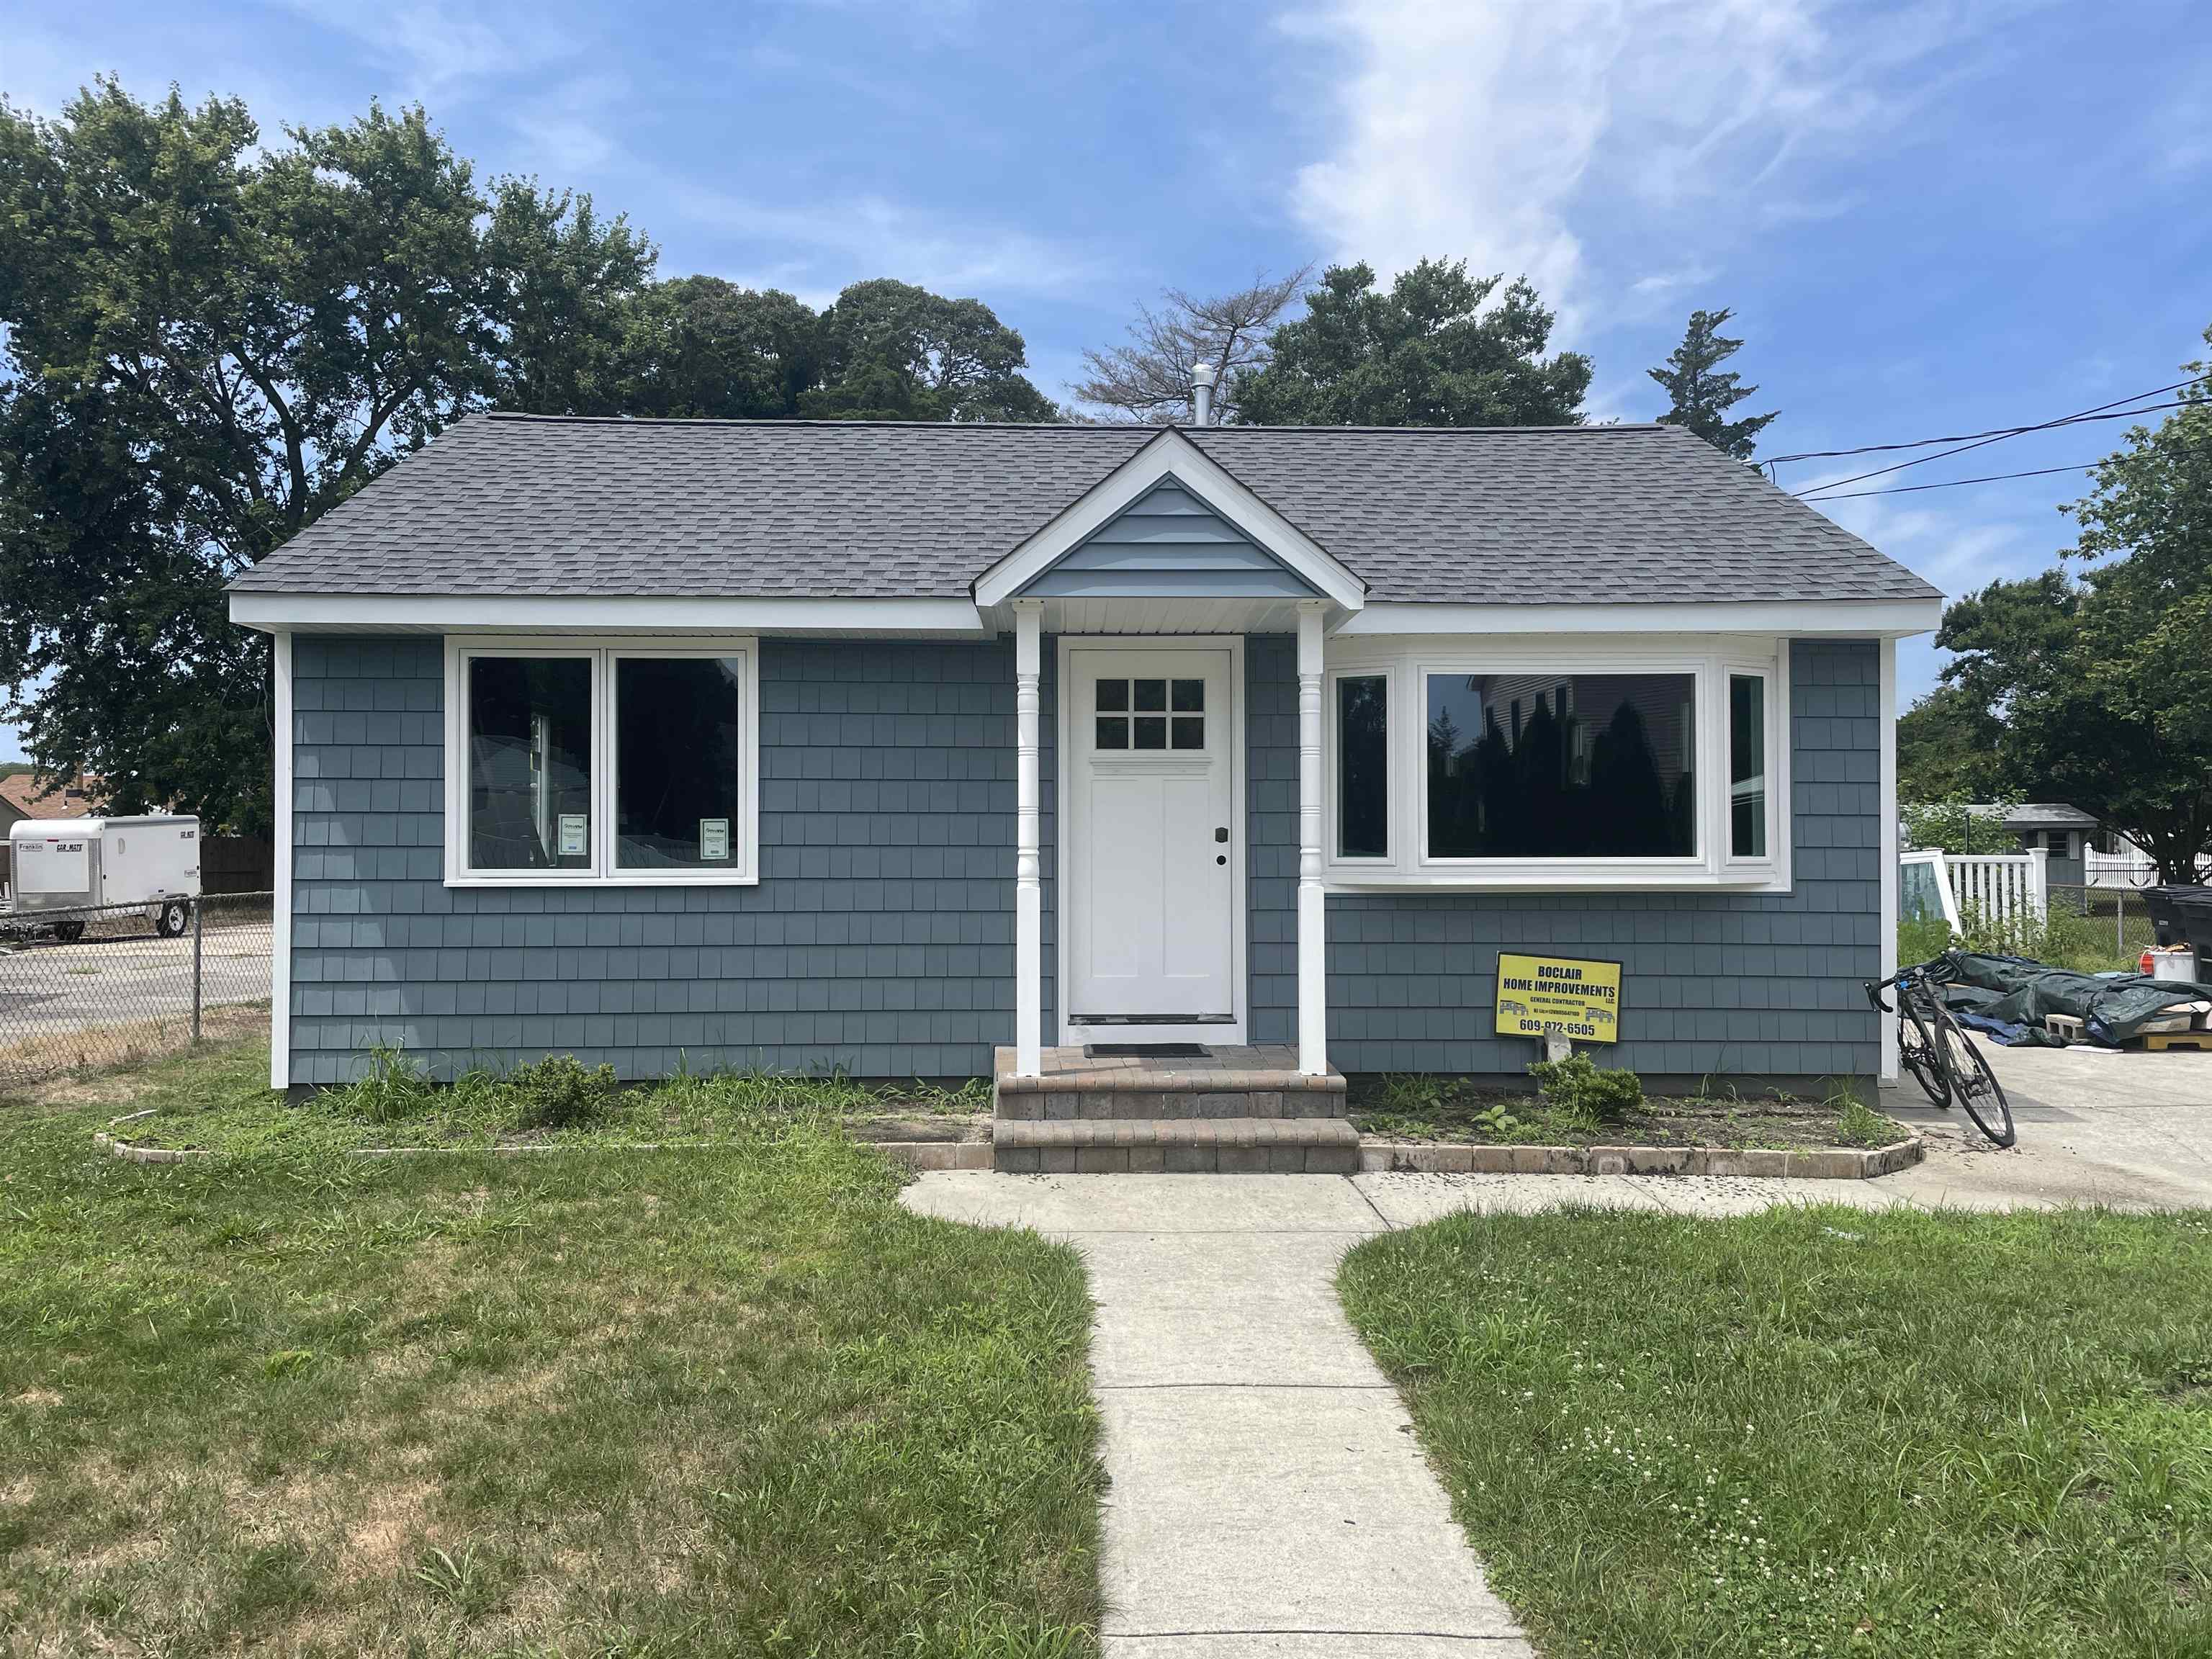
[{"x": 1700, "y": 393}]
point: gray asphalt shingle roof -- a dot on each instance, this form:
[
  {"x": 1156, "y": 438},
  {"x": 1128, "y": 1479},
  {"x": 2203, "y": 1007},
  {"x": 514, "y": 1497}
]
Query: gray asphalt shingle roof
[{"x": 521, "y": 505}]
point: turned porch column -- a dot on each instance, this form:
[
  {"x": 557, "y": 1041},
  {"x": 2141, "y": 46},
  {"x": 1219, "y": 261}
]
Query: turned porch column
[
  {"x": 1028, "y": 887},
  {"x": 1313, "y": 977}
]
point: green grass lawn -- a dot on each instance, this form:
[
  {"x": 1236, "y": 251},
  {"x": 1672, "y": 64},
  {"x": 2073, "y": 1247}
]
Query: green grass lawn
[
  {"x": 732, "y": 1399},
  {"x": 1818, "y": 1431}
]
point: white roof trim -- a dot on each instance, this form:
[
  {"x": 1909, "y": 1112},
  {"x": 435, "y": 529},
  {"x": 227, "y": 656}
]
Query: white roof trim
[
  {"x": 1800, "y": 618},
  {"x": 577, "y": 613},
  {"x": 1171, "y": 455}
]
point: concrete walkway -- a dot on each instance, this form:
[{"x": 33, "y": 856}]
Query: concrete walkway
[{"x": 1267, "y": 1496}]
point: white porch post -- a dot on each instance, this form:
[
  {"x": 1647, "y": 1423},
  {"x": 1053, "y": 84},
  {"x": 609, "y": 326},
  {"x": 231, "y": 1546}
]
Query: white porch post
[
  {"x": 1313, "y": 982},
  {"x": 1028, "y": 889}
]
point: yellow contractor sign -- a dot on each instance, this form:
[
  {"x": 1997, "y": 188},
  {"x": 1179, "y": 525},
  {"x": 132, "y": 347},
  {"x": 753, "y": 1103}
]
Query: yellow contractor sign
[{"x": 1580, "y": 1000}]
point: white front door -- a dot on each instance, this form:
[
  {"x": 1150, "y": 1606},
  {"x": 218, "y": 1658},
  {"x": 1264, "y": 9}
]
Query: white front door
[{"x": 1152, "y": 841}]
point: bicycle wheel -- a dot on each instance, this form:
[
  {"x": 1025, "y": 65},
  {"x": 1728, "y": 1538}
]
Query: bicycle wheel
[
  {"x": 1974, "y": 1085},
  {"x": 1917, "y": 1053}
]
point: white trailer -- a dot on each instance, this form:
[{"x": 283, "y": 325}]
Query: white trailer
[{"x": 65, "y": 867}]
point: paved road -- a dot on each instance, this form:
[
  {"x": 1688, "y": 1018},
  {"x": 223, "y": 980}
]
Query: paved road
[
  {"x": 48, "y": 989},
  {"x": 1268, "y": 1498}
]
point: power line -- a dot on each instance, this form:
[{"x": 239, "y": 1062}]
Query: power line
[
  {"x": 1964, "y": 437},
  {"x": 1949, "y": 483},
  {"x": 2009, "y": 432}
]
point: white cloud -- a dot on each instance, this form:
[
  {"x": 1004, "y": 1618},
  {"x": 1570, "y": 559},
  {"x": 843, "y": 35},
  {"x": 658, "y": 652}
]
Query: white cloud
[
  {"x": 1476, "y": 131},
  {"x": 566, "y": 127},
  {"x": 820, "y": 247},
  {"x": 439, "y": 53}
]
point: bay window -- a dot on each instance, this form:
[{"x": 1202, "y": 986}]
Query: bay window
[
  {"x": 1576, "y": 763},
  {"x": 568, "y": 762},
  {"x": 1360, "y": 781},
  {"x": 1746, "y": 766},
  {"x": 1547, "y": 765}
]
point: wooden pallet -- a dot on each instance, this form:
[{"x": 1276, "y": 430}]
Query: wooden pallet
[{"x": 2158, "y": 1042}]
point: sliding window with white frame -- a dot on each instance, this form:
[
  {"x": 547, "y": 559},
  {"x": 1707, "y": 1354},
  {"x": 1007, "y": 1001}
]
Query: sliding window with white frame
[
  {"x": 569, "y": 761},
  {"x": 1528, "y": 763}
]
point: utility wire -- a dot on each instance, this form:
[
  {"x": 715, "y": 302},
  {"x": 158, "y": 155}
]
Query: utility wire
[
  {"x": 2009, "y": 432},
  {"x": 1965, "y": 437},
  {"x": 1949, "y": 483}
]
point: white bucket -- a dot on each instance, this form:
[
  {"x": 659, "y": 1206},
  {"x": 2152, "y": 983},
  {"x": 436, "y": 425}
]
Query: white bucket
[{"x": 2176, "y": 964}]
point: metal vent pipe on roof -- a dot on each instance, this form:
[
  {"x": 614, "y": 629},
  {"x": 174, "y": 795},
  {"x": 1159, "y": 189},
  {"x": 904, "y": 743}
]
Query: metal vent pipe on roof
[{"x": 1202, "y": 376}]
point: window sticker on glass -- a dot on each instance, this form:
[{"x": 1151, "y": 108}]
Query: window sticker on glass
[
  {"x": 572, "y": 834},
  {"x": 714, "y": 838}
]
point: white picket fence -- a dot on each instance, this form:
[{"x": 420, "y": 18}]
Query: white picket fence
[
  {"x": 2131, "y": 868},
  {"x": 2001, "y": 886}
]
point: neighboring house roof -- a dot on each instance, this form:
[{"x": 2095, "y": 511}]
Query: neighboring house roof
[
  {"x": 2037, "y": 815},
  {"x": 74, "y": 799},
  {"x": 2048, "y": 815},
  {"x": 505, "y": 504}
]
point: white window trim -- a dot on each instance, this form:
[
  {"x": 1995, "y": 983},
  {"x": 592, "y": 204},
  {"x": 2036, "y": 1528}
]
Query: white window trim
[
  {"x": 1408, "y": 661},
  {"x": 1394, "y": 829},
  {"x": 1772, "y": 668},
  {"x": 743, "y": 868}
]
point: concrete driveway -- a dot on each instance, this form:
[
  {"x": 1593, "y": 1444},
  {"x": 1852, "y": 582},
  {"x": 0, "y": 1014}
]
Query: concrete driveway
[{"x": 47, "y": 989}]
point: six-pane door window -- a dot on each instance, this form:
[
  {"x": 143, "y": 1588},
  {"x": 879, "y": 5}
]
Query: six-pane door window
[{"x": 1150, "y": 714}]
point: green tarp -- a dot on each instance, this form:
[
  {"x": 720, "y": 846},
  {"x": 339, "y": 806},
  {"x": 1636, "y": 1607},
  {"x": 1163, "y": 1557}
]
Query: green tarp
[{"x": 2014, "y": 994}]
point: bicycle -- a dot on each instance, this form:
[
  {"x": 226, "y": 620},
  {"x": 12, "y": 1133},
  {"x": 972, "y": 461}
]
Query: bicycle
[{"x": 1942, "y": 1058}]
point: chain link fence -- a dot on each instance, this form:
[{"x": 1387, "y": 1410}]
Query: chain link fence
[
  {"x": 84, "y": 989},
  {"x": 2108, "y": 923}
]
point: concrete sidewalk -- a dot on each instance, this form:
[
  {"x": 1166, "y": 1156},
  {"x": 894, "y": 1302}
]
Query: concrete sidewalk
[
  {"x": 1268, "y": 1495},
  {"x": 1268, "y": 1498}
]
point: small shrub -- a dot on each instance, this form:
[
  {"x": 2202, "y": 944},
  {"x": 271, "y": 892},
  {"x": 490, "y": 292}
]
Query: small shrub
[
  {"x": 1578, "y": 1088},
  {"x": 561, "y": 1092},
  {"x": 1497, "y": 1121}
]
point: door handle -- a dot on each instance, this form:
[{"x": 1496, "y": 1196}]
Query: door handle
[{"x": 1221, "y": 834}]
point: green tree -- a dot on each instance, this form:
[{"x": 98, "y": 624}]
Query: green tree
[
  {"x": 2105, "y": 686},
  {"x": 1947, "y": 748},
  {"x": 894, "y": 352},
  {"x": 1954, "y": 823},
  {"x": 1700, "y": 392},
  {"x": 1429, "y": 351},
  {"x": 208, "y": 344},
  {"x": 705, "y": 349}
]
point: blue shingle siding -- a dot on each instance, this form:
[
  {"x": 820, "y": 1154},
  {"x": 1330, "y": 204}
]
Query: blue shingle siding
[
  {"x": 1168, "y": 542},
  {"x": 1738, "y": 983},
  {"x": 879, "y": 939}
]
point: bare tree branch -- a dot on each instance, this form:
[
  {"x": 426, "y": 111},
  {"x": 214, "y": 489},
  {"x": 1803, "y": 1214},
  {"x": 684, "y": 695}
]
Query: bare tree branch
[{"x": 1147, "y": 380}]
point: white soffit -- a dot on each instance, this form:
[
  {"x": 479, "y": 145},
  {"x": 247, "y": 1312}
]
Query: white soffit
[
  {"x": 458, "y": 613},
  {"x": 1801, "y": 618}
]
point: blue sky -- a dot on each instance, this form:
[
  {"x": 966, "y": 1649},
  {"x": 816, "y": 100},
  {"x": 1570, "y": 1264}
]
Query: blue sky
[{"x": 1928, "y": 218}]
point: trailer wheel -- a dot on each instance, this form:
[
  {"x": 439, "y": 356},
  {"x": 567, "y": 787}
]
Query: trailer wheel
[
  {"x": 69, "y": 933},
  {"x": 173, "y": 917}
]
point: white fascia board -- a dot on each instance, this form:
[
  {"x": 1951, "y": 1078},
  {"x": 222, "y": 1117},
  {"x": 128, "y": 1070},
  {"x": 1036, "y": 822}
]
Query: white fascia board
[
  {"x": 1171, "y": 455},
  {"x": 1798, "y": 619},
  {"x": 576, "y": 613}
]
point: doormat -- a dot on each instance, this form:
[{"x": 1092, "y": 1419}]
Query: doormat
[{"x": 1145, "y": 1051}]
